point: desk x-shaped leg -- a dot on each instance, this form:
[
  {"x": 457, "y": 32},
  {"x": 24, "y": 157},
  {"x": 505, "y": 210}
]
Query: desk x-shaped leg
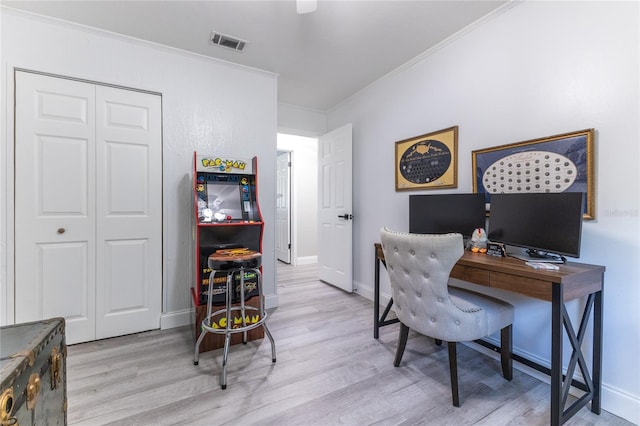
[
  {"x": 377, "y": 320},
  {"x": 560, "y": 383}
]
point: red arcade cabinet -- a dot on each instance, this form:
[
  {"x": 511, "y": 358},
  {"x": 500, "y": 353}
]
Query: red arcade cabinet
[{"x": 227, "y": 215}]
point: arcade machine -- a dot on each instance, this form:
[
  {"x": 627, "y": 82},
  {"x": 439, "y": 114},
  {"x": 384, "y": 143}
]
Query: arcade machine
[{"x": 227, "y": 217}]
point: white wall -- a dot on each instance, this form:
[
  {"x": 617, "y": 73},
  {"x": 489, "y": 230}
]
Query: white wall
[
  {"x": 296, "y": 120},
  {"x": 304, "y": 187},
  {"x": 209, "y": 106},
  {"x": 534, "y": 70}
]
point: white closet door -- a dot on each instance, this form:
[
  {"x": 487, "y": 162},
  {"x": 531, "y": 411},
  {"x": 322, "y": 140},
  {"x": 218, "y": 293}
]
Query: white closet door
[
  {"x": 88, "y": 206},
  {"x": 55, "y": 202},
  {"x": 129, "y": 211}
]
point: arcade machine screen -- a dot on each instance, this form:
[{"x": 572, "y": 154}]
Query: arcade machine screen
[{"x": 223, "y": 199}]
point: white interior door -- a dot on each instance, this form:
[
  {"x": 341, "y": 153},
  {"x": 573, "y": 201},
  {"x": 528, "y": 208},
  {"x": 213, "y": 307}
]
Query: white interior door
[
  {"x": 88, "y": 206},
  {"x": 335, "y": 208},
  {"x": 129, "y": 211},
  {"x": 55, "y": 202},
  {"x": 283, "y": 207}
]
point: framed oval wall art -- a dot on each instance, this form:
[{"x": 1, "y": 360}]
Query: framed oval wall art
[{"x": 559, "y": 163}]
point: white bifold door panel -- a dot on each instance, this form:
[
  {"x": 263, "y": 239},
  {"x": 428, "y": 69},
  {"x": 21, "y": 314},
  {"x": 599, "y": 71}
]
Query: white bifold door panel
[{"x": 88, "y": 218}]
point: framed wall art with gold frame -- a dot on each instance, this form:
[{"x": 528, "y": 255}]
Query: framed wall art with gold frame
[
  {"x": 428, "y": 161},
  {"x": 560, "y": 163}
]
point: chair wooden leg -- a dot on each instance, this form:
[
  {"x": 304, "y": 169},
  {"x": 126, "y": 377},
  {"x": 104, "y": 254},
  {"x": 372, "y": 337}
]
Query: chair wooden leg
[
  {"x": 506, "y": 348},
  {"x": 453, "y": 367},
  {"x": 402, "y": 342}
]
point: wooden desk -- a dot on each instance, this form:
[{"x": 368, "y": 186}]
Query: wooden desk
[{"x": 571, "y": 281}]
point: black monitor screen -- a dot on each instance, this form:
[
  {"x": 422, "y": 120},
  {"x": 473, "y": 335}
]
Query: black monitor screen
[
  {"x": 444, "y": 213},
  {"x": 545, "y": 222}
]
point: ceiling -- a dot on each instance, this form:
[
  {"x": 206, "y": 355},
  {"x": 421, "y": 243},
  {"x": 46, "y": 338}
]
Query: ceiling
[{"x": 321, "y": 57}]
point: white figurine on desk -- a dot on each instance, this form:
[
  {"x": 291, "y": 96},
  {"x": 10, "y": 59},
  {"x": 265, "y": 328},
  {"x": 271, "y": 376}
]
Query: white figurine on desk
[{"x": 478, "y": 242}]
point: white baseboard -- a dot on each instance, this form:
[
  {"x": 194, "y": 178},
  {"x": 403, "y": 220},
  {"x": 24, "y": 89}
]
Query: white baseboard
[
  {"x": 621, "y": 404},
  {"x": 306, "y": 260},
  {"x": 270, "y": 301},
  {"x": 176, "y": 319},
  {"x": 367, "y": 292}
]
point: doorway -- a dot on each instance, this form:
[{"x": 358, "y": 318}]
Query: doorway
[
  {"x": 303, "y": 190},
  {"x": 283, "y": 207}
]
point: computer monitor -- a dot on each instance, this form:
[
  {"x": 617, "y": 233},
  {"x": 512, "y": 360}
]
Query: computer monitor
[
  {"x": 444, "y": 213},
  {"x": 548, "y": 225}
]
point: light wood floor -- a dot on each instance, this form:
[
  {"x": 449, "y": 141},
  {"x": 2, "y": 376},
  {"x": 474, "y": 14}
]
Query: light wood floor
[{"x": 329, "y": 371}]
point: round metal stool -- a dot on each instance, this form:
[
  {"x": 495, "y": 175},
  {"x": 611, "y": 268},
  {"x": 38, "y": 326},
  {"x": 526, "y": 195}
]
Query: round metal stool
[{"x": 234, "y": 263}]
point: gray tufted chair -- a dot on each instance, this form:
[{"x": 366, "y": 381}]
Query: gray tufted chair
[{"x": 419, "y": 266}]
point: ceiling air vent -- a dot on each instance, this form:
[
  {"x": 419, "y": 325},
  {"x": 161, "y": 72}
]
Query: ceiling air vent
[{"x": 223, "y": 40}]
